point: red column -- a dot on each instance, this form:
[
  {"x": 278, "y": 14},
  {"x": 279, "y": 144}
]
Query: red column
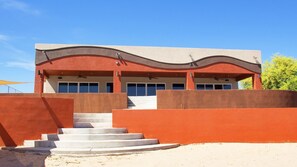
[
  {"x": 39, "y": 82},
  {"x": 190, "y": 84},
  {"x": 257, "y": 83},
  {"x": 117, "y": 83}
]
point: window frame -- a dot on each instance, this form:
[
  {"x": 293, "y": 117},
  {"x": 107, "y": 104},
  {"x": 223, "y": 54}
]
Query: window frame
[
  {"x": 78, "y": 86},
  {"x": 213, "y": 84},
  {"x": 146, "y": 83}
]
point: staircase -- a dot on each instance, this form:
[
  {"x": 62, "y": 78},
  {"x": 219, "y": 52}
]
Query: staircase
[
  {"x": 142, "y": 102},
  {"x": 93, "y": 134}
]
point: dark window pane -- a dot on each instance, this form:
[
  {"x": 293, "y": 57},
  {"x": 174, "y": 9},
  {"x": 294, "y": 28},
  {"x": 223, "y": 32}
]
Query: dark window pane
[
  {"x": 73, "y": 88},
  {"x": 151, "y": 89},
  {"x": 140, "y": 89},
  {"x": 83, "y": 87},
  {"x": 63, "y": 87},
  {"x": 109, "y": 87},
  {"x": 218, "y": 87},
  {"x": 131, "y": 90},
  {"x": 227, "y": 86},
  {"x": 94, "y": 88},
  {"x": 200, "y": 87},
  {"x": 178, "y": 86},
  {"x": 160, "y": 86},
  {"x": 209, "y": 87}
]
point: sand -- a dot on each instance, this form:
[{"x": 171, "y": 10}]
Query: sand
[{"x": 204, "y": 155}]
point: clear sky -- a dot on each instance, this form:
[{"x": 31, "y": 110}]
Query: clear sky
[{"x": 269, "y": 26}]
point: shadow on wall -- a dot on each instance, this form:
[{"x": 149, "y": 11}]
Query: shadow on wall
[{"x": 22, "y": 159}]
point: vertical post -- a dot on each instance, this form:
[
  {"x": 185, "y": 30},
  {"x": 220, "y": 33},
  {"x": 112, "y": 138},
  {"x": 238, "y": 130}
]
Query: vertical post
[
  {"x": 257, "y": 83},
  {"x": 39, "y": 82},
  {"x": 117, "y": 83},
  {"x": 190, "y": 84}
]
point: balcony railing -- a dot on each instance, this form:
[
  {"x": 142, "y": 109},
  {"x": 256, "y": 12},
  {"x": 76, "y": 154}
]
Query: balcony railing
[{"x": 8, "y": 89}]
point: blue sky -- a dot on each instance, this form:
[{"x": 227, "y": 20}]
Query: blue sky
[{"x": 269, "y": 26}]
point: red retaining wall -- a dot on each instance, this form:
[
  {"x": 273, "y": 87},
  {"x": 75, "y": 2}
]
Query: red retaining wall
[
  {"x": 27, "y": 117},
  {"x": 211, "y": 125}
]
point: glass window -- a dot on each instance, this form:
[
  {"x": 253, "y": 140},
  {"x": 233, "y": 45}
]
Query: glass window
[
  {"x": 160, "y": 86},
  {"x": 109, "y": 87},
  {"x": 151, "y": 89},
  {"x": 178, "y": 86},
  {"x": 94, "y": 88},
  {"x": 63, "y": 88},
  {"x": 131, "y": 89},
  {"x": 73, "y": 88},
  {"x": 227, "y": 86},
  {"x": 83, "y": 88},
  {"x": 218, "y": 87},
  {"x": 200, "y": 87},
  {"x": 140, "y": 89},
  {"x": 209, "y": 86}
]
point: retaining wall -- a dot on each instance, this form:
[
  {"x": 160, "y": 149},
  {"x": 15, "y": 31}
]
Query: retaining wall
[
  {"x": 27, "y": 116},
  {"x": 264, "y": 125}
]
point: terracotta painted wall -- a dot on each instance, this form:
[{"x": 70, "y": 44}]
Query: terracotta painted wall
[
  {"x": 26, "y": 117},
  {"x": 94, "y": 103},
  {"x": 212, "y": 125},
  {"x": 174, "y": 99}
]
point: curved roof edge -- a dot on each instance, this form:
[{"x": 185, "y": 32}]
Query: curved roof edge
[
  {"x": 171, "y": 55},
  {"x": 43, "y": 56}
]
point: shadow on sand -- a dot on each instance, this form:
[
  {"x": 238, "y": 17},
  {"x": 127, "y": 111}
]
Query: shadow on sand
[{"x": 22, "y": 159}]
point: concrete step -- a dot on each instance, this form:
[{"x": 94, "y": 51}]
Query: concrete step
[
  {"x": 91, "y": 120},
  {"x": 94, "y": 150},
  {"x": 123, "y": 136},
  {"x": 92, "y": 125},
  {"x": 89, "y": 144},
  {"x": 93, "y": 115},
  {"x": 142, "y": 102},
  {"x": 91, "y": 130}
]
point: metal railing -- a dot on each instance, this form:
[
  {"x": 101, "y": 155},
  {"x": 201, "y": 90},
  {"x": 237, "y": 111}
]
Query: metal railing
[{"x": 8, "y": 89}]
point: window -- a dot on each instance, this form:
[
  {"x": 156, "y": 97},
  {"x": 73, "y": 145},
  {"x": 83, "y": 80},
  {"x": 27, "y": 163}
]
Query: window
[
  {"x": 143, "y": 89},
  {"x": 63, "y": 87},
  {"x": 140, "y": 90},
  {"x": 83, "y": 88},
  {"x": 216, "y": 86},
  {"x": 200, "y": 87},
  {"x": 131, "y": 89},
  {"x": 109, "y": 87},
  {"x": 75, "y": 87},
  {"x": 93, "y": 88},
  {"x": 178, "y": 86},
  {"x": 151, "y": 88},
  {"x": 227, "y": 86}
]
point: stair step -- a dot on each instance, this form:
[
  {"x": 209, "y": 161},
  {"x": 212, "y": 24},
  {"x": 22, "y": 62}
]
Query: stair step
[
  {"x": 92, "y": 125},
  {"x": 90, "y": 144},
  {"x": 92, "y": 120},
  {"x": 124, "y": 136},
  {"x": 93, "y": 115},
  {"x": 91, "y": 130},
  {"x": 94, "y": 150}
]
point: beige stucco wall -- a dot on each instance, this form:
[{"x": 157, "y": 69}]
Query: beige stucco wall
[
  {"x": 51, "y": 83},
  {"x": 174, "y": 55}
]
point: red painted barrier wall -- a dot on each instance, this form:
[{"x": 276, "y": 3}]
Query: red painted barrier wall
[
  {"x": 27, "y": 117},
  {"x": 212, "y": 125}
]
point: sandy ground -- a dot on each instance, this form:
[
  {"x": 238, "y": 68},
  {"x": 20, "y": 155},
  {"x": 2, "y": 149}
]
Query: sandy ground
[{"x": 215, "y": 154}]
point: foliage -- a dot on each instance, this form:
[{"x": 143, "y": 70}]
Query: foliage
[
  {"x": 246, "y": 83},
  {"x": 279, "y": 74}
]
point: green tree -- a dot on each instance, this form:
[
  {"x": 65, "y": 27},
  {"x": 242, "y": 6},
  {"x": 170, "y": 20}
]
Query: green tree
[
  {"x": 279, "y": 74},
  {"x": 246, "y": 83}
]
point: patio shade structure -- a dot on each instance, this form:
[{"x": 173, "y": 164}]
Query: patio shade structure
[{"x": 3, "y": 82}]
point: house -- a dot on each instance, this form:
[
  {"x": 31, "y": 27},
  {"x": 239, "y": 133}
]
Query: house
[{"x": 140, "y": 71}]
